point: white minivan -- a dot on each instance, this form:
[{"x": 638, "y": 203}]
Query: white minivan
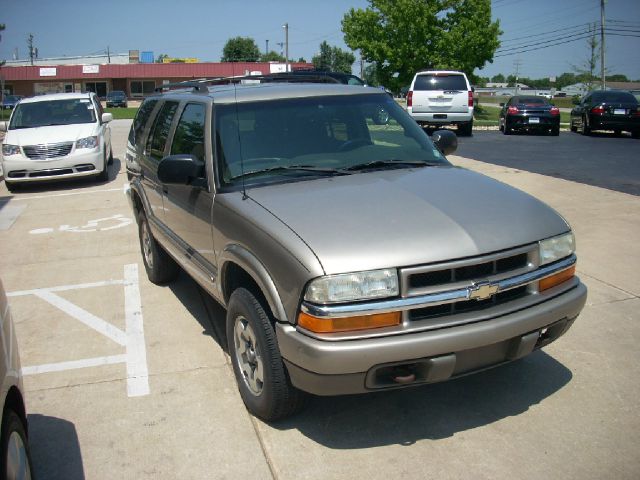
[
  {"x": 441, "y": 97},
  {"x": 57, "y": 136}
]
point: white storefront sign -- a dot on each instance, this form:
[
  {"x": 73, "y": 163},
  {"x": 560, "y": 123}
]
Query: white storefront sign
[
  {"x": 91, "y": 69},
  {"x": 48, "y": 71}
]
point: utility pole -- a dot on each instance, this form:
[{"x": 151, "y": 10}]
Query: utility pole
[
  {"x": 32, "y": 51},
  {"x": 602, "y": 44},
  {"x": 266, "y": 51},
  {"x": 286, "y": 46},
  {"x": 517, "y": 64},
  {"x": 108, "y": 54}
]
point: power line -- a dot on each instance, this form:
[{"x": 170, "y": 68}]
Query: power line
[
  {"x": 542, "y": 43},
  {"x": 546, "y": 46},
  {"x": 553, "y": 38},
  {"x": 542, "y": 34}
]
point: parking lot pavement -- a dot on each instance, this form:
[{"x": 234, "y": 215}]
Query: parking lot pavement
[{"x": 126, "y": 379}]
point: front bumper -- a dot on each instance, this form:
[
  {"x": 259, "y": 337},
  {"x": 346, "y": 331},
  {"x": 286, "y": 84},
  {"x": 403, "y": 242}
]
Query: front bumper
[
  {"x": 21, "y": 169},
  {"x": 358, "y": 366}
]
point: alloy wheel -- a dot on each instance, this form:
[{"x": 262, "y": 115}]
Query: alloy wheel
[{"x": 248, "y": 355}]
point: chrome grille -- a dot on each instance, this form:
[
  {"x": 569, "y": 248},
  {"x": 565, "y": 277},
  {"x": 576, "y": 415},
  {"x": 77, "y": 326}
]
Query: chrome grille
[
  {"x": 463, "y": 274},
  {"x": 50, "y": 150}
]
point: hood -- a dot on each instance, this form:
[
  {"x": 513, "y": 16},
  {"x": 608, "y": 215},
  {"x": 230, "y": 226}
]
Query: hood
[
  {"x": 407, "y": 217},
  {"x": 51, "y": 134}
]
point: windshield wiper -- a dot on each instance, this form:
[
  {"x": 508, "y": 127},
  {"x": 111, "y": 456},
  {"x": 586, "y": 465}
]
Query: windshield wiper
[
  {"x": 391, "y": 163},
  {"x": 289, "y": 168}
]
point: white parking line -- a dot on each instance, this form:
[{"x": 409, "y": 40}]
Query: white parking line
[
  {"x": 74, "y": 364},
  {"x": 68, "y": 194},
  {"x": 137, "y": 372},
  {"x": 132, "y": 339}
]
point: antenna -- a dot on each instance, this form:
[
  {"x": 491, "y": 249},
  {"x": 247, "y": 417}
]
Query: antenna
[{"x": 235, "y": 95}]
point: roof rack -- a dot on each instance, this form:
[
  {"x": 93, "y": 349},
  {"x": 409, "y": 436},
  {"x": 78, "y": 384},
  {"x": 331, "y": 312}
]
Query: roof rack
[{"x": 201, "y": 85}]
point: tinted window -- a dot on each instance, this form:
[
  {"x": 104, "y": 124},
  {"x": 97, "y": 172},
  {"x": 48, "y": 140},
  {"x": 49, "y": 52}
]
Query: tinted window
[
  {"x": 622, "y": 97},
  {"x": 189, "y": 136},
  {"x": 440, "y": 82},
  {"x": 158, "y": 138},
  {"x": 53, "y": 112},
  {"x": 329, "y": 133},
  {"x": 140, "y": 120},
  {"x": 531, "y": 100}
]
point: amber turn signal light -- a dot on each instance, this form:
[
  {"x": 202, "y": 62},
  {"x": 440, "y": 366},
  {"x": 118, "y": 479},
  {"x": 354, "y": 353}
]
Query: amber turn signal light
[
  {"x": 346, "y": 324},
  {"x": 557, "y": 279}
]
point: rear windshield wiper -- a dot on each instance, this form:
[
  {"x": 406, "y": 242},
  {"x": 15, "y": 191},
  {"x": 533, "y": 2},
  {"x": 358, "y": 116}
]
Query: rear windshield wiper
[
  {"x": 290, "y": 168},
  {"x": 392, "y": 164}
]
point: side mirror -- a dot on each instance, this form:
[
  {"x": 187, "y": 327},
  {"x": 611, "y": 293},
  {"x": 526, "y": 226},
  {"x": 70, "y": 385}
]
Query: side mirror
[
  {"x": 107, "y": 117},
  {"x": 3, "y": 126},
  {"x": 445, "y": 140},
  {"x": 182, "y": 170},
  {"x": 575, "y": 101},
  {"x": 502, "y": 104}
]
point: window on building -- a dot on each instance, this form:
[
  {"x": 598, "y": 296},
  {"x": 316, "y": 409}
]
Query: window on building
[{"x": 141, "y": 88}]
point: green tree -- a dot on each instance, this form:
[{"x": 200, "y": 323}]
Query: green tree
[
  {"x": 240, "y": 49},
  {"x": 161, "y": 57},
  {"x": 404, "y": 36},
  {"x": 586, "y": 72},
  {"x": 499, "y": 78},
  {"x": 302, "y": 60},
  {"x": 333, "y": 59},
  {"x": 271, "y": 57},
  {"x": 618, "y": 77},
  {"x": 566, "y": 79}
]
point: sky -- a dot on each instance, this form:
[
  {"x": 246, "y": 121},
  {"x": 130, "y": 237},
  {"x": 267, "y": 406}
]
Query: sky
[{"x": 197, "y": 28}]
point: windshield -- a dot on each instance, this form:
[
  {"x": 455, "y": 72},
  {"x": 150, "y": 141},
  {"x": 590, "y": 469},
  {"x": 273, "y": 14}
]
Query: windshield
[
  {"x": 53, "y": 112},
  {"x": 292, "y": 139},
  {"x": 11, "y": 98},
  {"x": 115, "y": 94},
  {"x": 622, "y": 97}
]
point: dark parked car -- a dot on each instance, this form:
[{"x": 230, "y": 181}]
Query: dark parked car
[
  {"x": 615, "y": 110},
  {"x": 117, "y": 98},
  {"x": 10, "y": 101},
  {"x": 531, "y": 113}
]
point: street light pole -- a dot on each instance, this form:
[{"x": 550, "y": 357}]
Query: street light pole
[
  {"x": 603, "y": 79},
  {"x": 286, "y": 46}
]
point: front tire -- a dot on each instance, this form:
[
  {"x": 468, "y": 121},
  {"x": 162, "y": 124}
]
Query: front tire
[
  {"x": 16, "y": 457},
  {"x": 262, "y": 378},
  {"x": 103, "y": 176},
  {"x": 12, "y": 187},
  {"x": 160, "y": 267}
]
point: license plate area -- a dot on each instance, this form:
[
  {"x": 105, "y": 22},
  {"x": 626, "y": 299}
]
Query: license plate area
[
  {"x": 534, "y": 120},
  {"x": 440, "y": 116},
  {"x": 619, "y": 111}
]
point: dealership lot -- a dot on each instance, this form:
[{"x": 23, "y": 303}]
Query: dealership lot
[{"x": 126, "y": 379}]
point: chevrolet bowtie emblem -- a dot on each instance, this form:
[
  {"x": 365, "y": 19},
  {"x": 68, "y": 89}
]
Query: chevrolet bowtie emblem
[{"x": 482, "y": 291}]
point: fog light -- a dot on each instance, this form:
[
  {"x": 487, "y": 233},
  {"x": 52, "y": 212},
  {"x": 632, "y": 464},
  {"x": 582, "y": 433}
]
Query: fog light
[
  {"x": 557, "y": 279},
  {"x": 346, "y": 324}
]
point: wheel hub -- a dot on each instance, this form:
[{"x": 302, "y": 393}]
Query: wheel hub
[
  {"x": 17, "y": 462},
  {"x": 248, "y": 356}
]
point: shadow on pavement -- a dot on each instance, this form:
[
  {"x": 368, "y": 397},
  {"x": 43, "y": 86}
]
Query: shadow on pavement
[
  {"x": 403, "y": 417},
  {"x": 55, "y": 449}
]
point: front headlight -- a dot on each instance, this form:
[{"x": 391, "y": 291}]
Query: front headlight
[
  {"x": 349, "y": 287},
  {"x": 10, "y": 149},
  {"x": 87, "y": 142},
  {"x": 556, "y": 248}
]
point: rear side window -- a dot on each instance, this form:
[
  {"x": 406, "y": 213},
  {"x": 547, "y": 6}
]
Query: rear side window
[
  {"x": 440, "y": 82},
  {"x": 160, "y": 130},
  {"x": 140, "y": 120},
  {"x": 189, "y": 136}
]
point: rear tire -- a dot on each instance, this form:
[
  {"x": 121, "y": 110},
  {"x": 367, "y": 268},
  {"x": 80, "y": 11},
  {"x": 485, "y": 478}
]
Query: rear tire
[
  {"x": 507, "y": 129},
  {"x": 14, "y": 448},
  {"x": 160, "y": 267},
  {"x": 465, "y": 129},
  {"x": 555, "y": 131},
  {"x": 260, "y": 373},
  {"x": 635, "y": 134},
  {"x": 586, "y": 130}
]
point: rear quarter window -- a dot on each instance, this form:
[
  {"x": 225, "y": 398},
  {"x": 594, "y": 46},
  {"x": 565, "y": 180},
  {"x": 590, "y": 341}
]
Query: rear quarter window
[{"x": 440, "y": 82}]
